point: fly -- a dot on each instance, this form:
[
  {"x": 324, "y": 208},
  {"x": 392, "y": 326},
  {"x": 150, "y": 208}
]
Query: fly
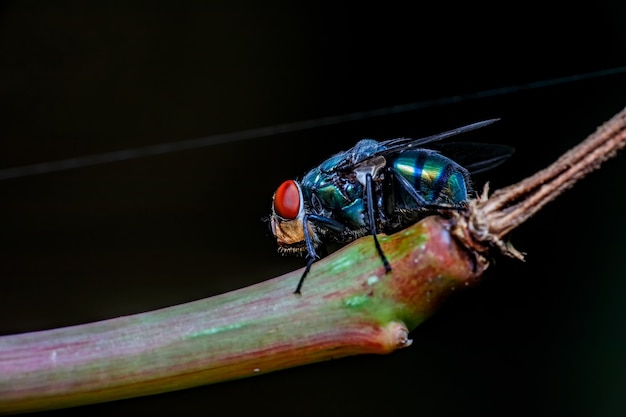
[{"x": 377, "y": 187}]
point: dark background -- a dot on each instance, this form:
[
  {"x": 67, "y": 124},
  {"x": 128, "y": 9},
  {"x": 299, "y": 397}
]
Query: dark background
[{"x": 542, "y": 337}]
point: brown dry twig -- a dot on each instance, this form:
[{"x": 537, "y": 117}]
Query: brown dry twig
[{"x": 490, "y": 219}]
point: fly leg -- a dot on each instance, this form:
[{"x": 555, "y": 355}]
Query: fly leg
[
  {"x": 312, "y": 256},
  {"x": 406, "y": 185},
  {"x": 372, "y": 220},
  {"x": 306, "y": 271}
]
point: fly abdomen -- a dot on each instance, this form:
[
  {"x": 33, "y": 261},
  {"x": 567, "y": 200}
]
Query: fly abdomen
[{"x": 434, "y": 179}]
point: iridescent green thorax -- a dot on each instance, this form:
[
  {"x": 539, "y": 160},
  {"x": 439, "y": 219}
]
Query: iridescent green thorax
[{"x": 335, "y": 194}]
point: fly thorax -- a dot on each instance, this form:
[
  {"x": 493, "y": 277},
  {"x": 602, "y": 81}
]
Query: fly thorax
[
  {"x": 335, "y": 194},
  {"x": 354, "y": 213}
]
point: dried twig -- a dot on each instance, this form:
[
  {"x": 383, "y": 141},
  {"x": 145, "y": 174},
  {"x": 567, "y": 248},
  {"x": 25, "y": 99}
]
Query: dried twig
[{"x": 490, "y": 219}]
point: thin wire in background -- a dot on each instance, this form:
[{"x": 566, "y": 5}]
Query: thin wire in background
[{"x": 188, "y": 144}]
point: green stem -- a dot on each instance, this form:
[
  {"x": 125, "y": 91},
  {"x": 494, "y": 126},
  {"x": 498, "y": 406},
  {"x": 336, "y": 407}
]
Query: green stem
[{"x": 348, "y": 306}]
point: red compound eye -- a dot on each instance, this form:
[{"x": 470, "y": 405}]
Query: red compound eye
[{"x": 287, "y": 200}]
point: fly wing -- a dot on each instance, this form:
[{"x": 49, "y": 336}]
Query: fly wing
[
  {"x": 475, "y": 157},
  {"x": 368, "y": 148},
  {"x": 400, "y": 144}
]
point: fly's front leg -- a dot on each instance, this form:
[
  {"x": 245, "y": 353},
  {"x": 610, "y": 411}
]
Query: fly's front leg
[
  {"x": 312, "y": 255},
  {"x": 372, "y": 220}
]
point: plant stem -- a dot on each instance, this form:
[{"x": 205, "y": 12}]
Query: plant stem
[{"x": 349, "y": 306}]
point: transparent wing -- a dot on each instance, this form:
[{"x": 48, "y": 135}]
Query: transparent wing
[
  {"x": 473, "y": 156},
  {"x": 493, "y": 156},
  {"x": 395, "y": 145}
]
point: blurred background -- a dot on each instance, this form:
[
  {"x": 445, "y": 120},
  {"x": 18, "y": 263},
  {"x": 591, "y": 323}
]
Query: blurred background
[{"x": 97, "y": 242}]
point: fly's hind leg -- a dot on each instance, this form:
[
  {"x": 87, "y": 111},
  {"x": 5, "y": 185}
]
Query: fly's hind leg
[{"x": 408, "y": 187}]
